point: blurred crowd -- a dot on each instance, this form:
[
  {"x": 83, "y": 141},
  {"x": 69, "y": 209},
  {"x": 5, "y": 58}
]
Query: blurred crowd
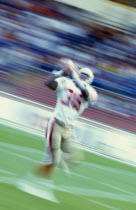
[{"x": 35, "y": 34}]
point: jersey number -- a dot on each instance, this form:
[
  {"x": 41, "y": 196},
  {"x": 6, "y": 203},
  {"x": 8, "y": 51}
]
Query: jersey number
[{"x": 73, "y": 100}]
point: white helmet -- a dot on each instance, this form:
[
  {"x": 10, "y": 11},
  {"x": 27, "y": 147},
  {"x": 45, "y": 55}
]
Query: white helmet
[{"x": 88, "y": 72}]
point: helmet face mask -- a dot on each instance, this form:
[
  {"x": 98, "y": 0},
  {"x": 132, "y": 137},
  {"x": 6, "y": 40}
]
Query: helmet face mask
[
  {"x": 86, "y": 75},
  {"x": 83, "y": 76}
]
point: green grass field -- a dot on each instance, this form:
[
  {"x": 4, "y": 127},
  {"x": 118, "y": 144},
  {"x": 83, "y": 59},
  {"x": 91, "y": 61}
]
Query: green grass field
[{"x": 96, "y": 183}]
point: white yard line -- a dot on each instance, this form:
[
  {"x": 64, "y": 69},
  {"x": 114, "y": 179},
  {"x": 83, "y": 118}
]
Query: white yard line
[
  {"x": 46, "y": 193},
  {"x": 25, "y": 149},
  {"x": 122, "y": 196},
  {"x": 107, "y": 168},
  {"x": 6, "y": 172},
  {"x": 70, "y": 189},
  {"x": 98, "y": 193},
  {"x": 20, "y": 148},
  {"x": 75, "y": 174},
  {"x": 21, "y": 156},
  {"x": 105, "y": 205},
  {"x": 30, "y": 159},
  {"x": 8, "y": 180}
]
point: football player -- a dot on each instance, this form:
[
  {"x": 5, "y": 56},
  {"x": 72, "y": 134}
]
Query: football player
[{"x": 74, "y": 94}]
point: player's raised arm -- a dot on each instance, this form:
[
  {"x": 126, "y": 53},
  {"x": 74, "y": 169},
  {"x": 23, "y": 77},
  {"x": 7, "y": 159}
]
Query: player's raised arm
[
  {"x": 76, "y": 74},
  {"x": 51, "y": 82},
  {"x": 80, "y": 85},
  {"x": 65, "y": 71}
]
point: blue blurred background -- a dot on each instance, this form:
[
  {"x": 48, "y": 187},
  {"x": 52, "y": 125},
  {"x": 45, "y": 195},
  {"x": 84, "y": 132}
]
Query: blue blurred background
[{"x": 36, "y": 34}]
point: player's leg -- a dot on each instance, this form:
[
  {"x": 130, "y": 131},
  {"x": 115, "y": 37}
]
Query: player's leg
[
  {"x": 52, "y": 149},
  {"x": 67, "y": 146},
  {"x": 71, "y": 155}
]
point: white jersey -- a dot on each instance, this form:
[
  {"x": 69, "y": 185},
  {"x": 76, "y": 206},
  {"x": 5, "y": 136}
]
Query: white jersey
[{"x": 70, "y": 101}]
